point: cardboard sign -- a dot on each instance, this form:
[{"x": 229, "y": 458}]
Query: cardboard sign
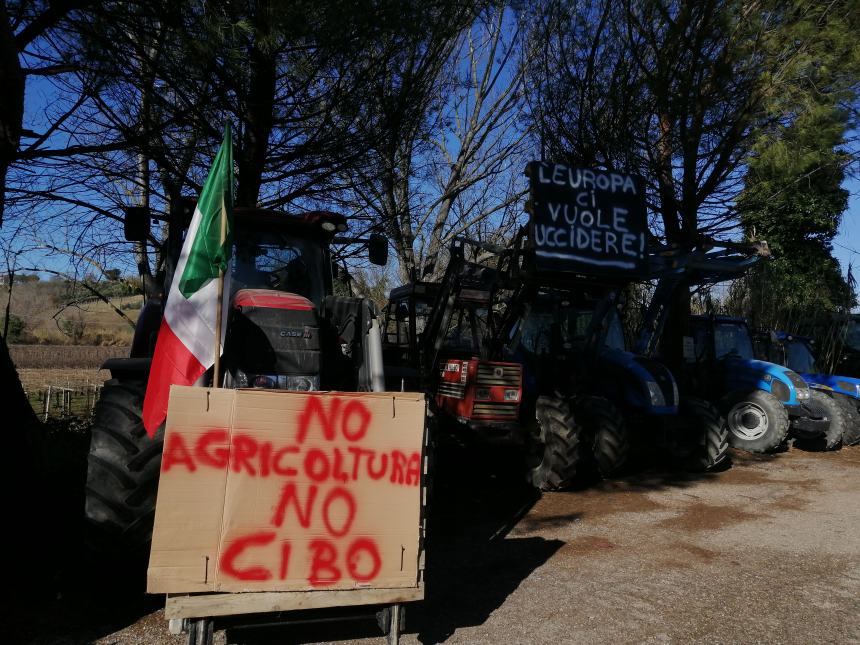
[
  {"x": 263, "y": 490},
  {"x": 587, "y": 221}
]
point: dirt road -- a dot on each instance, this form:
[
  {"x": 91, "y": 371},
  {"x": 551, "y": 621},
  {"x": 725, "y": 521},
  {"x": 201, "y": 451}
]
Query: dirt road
[{"x": 767, "y": 551}]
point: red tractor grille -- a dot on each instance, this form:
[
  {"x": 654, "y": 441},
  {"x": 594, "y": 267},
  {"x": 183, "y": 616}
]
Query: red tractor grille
[
  {"x": 479, "y": 390},
  {"x": 494, "y": 410},
  {"x": 508, "y": 375},
  {"x": 454, "y": 390}
]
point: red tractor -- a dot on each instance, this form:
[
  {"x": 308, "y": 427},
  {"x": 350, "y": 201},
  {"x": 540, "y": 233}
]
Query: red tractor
[
  {"x": 285, "y": 330},
  {"x": 435, "y": 340}
]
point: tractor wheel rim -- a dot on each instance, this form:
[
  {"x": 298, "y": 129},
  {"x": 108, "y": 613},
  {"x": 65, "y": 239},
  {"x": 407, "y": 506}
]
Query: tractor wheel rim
[{"x": 748, "y": 421}]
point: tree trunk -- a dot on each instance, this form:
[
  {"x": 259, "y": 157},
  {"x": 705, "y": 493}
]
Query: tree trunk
[
  {"x": 12, "y": 103},
  {"x": 259, "y": 116},
  {"x": 23, "y": 498},
  {"x": 677, "y": 325}
]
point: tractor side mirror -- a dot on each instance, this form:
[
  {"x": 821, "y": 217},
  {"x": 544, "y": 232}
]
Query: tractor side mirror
[
  {"x": 377, "y": 249},
  {"x": 136, "y": 223}
]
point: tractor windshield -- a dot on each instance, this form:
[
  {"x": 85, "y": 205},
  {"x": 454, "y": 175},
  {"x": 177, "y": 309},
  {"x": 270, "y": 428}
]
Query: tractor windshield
[
  {"x": 732, "y": 339},
  {"x": 799, "y": 358},
  {"x": 614, "y": 332},
  {"x": 852, "y": 335},
  {"x": 547, "y": 332},
  {"x": 272, "y": 260},
  {"x": 466, "y": 329}
]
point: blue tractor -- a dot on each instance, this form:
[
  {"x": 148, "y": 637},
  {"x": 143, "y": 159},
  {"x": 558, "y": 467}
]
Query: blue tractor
[
  {"x": 761, "y": 401},
  {"x": 566, "y": 332},
  {"x": 555, "y": 312},
  {"x": 797, "y": 353}
]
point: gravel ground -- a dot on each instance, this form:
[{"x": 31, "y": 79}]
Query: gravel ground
[{"x": 765, "y": 552}]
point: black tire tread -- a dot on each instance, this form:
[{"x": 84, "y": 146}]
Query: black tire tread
[
  {"x": 122, "y": 472},
  {"x": 832, "y": 439},
  {"x": 711, "y": 447},
  {"x": 606, "y": 433},
  {"x": 559, "y": 437},
  {"x": 851, "y": 432}
]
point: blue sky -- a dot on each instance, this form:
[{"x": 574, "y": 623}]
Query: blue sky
[{"x": 846, "y": 246}]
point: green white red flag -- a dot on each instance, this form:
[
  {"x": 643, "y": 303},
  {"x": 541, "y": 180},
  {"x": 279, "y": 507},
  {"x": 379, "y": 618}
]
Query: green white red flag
[{"x": 185, "y": 348}]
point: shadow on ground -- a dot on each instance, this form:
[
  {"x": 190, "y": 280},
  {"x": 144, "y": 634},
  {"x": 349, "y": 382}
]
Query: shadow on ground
[{"x": 473, "y": 566}]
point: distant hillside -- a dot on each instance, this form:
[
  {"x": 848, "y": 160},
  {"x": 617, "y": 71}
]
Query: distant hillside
[{"x": 61, "y": 312}]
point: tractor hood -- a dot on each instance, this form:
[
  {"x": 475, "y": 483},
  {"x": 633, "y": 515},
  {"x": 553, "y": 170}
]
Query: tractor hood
[
  {"x": 751, "y": 374},
  {"x": 649, "y": 385},
  {"x": 847, "y": 385}
]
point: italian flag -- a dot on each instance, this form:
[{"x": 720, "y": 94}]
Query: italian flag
[{"x": 186, "y": 339}]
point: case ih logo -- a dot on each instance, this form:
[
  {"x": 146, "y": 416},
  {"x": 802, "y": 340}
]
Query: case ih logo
[{"x": 292, "y": 332}]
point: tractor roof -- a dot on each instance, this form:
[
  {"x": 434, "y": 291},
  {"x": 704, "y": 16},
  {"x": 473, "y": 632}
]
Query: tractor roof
[
  {"x": 424, "y": 289},
  {"x": 325, "y": 223},
  {"x": 719, "y": 318}
]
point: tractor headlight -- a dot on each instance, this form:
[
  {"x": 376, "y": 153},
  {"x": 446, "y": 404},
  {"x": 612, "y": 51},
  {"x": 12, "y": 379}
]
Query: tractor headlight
[
  {"x": 299, "y": 383},
  {"x": 857, "y": 389},
  {"x": 802, "y": 393},
  {"x": 655, "y": 394},
  {"x": 512, "y": 395},
  {"x": 482, "y": 394}
]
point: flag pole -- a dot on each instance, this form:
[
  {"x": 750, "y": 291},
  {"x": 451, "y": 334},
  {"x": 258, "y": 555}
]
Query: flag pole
[{"x": 216, "y": 368}]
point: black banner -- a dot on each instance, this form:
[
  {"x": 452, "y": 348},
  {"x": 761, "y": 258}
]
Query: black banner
[{"x": 588, "y": 221}]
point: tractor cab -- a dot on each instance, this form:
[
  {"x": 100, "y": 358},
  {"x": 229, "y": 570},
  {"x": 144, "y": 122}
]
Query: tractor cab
[
  {"x": 793, "y": 351},
  {"x": 285, "y": 325},
  {"x": 724, "y": 364},
  {"x": 285, "y": 329},
  {"x": 797, "y": 353},
  {"x": 724, "y": 359},
  {"x": 433, "y": 341},
  {"x": 576, "y": 337}
]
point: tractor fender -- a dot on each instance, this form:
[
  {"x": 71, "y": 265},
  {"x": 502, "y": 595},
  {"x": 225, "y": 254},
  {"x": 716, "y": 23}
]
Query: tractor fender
[{"x": 845, "y": 385}]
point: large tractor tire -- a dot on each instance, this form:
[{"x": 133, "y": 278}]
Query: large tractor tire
[
  {"x": 705, "y": 435},
  {"x": 851, "y": 432},
  {"x": 756, "y": 420},
  {"x": 829, "y": 407},
  {"x": 556, "y": 444},
  {"x": 604, "y": 432},
  {"x": 122, "y": 474}
]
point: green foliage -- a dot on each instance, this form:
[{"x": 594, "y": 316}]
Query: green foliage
[
  {"x": 373, "y": 284},
  {"x": 16, "y": 328},
  {"x": 75, "y": 292},
  {"x": 73, "y": 328},
  {"x": 793, "y": 195}
]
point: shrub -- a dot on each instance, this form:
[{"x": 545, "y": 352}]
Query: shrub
[{"x": 16, "y": 328}]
